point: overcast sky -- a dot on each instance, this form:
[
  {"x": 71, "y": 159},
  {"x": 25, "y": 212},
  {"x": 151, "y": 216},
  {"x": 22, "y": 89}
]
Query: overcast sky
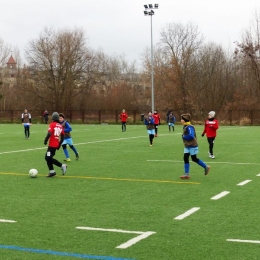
[{"x": 119, "y": 27}]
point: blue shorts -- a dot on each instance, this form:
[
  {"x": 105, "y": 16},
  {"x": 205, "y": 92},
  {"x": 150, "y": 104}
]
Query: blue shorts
[
  {"x": 171, "y": 124},
  {"x": 151, "y": 132},
  {"x": 191, "y": 150},
  {"x": 68, "y": 141}
]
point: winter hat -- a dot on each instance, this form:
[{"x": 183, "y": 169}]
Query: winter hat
[
  {"x": 212, "y": 113},
  {"x": 61, "y": 115},
  {"x": 55, "y": 116},
  {"x": 186, "y": 117}
]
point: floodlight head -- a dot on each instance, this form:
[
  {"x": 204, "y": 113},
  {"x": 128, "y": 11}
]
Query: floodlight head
[
  {"x": 152, "y": 12},
  {"x": 150, "y": 6},
  {"x": 156, "y": 5},
  {"x": 145, "y": 13},
  {"x": 145, "y": 6}
]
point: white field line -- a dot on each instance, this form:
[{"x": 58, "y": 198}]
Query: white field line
[
  {"x": 220, "y": 195},
  {"x": 187, "y": 213},
  {"x": 142, "y": 235},
  {"x": 258, "y": 174},
  {"x": 211, "y": 162},
  {"x": 135, "y": 240},
  {"x": 101, "y": 141},
  {"x": 244, "y": 241},
  {"x": 7, "y": 221},
  {"x": 243, "y": 182}
]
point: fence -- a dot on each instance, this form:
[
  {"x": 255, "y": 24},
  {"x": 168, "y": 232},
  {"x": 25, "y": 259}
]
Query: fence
[{"x": 229, "y": 117}]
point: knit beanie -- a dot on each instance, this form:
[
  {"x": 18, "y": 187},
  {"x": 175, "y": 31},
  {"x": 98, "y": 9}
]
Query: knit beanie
[
  {"x": 61, "y": 115},
  {"x": 55, "y": 116},
  {"x": 186, "y": 117},
  {"x": 212, "y": 113}
]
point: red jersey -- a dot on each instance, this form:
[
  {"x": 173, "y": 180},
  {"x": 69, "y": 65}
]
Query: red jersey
[
  {"x": 56, "y": 130},
  {"x": 157, "y": 119},
  {"x": 210, "y": 128},
  {"x": 123, "y": 117}
]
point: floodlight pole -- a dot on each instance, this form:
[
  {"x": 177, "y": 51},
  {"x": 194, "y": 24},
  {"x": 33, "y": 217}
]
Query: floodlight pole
[
  {"x": 152, "y": 76},
  {"x": 149, "y": 11}
]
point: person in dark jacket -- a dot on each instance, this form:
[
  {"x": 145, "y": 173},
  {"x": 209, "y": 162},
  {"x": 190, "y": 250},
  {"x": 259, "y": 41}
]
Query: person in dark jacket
[
  {"x": 46, "y": 116},
  {"x": 27, "y": 122},
  {"x": 149, "y": 122}
]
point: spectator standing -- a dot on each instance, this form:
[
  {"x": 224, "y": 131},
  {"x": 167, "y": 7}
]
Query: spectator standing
[
  {"x": 210, "y": 129},
  {"x": 46, "y": 116}
]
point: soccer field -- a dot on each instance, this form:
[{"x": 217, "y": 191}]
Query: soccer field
[{"x": 124, "y": 200}]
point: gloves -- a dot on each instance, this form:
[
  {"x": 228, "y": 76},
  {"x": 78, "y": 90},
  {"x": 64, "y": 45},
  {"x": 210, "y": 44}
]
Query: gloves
[
  {"x": 202, "y": 135},
  {"x": 45, "y": 142}
]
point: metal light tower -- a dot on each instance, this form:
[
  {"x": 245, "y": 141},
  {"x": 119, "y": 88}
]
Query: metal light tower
[{"x": 149, "y": 11}]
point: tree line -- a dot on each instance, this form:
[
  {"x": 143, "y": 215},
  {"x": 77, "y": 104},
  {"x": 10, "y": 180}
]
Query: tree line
[{"x": 63, "y": 73}]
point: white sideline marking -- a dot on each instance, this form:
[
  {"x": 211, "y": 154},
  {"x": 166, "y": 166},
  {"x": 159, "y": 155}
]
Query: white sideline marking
[
  {"x": 187, "y": 213},
  {"x": 243, "y": 182},
  {"x": 244, "y": 241},
  {"x": 142, "y": 235},
  {"x": 7, "y": 220},
  {"x": 220, "y": 195},
  {"x": 211, "y": 162}
]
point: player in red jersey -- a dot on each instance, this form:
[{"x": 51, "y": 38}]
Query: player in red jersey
[
  {"x": 210, "y": 129},
  {"x": 157, "y": 119},
  {"x": 55, "y": 136},
  {"x": 123, "y": 116}
]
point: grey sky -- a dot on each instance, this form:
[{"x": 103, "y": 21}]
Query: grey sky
[{"x": 119, "y": 26}]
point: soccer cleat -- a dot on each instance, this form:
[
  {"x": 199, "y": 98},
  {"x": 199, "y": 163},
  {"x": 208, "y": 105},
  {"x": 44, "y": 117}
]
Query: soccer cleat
[
  {"x": 51, "y": 174},
  {"x": 63, "y": 168},
  {"x": 212, "y": 156},
  {"x": 77, "y": 156},
  {"x": 67, "y": 160},
  {"x": 207, "y": 170},
  {"x": 185, "y": 177}
]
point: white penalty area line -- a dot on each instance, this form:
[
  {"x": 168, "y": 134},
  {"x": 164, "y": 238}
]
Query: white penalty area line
[
  {"x": 7, "y": 221},
  {"x": 211, "y": 162},
  {"x": 187, "y": 213},
  {"x": 244, "y": 241},
  {"x": 142, "y": 235}
]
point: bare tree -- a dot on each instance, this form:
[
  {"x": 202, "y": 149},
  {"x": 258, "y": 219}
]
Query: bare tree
[
  {"x": 60, "y": 65},
  {"x": 178, "y": 48},
  {"x": 247, "y": 57}
]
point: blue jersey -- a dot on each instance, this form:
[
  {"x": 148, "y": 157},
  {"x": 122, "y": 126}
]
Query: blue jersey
[{"x": 67, "y": 129}]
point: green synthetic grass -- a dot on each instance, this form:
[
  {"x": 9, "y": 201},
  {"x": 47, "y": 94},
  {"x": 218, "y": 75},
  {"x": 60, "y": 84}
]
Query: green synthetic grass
[{"x": 122, "y": 183}]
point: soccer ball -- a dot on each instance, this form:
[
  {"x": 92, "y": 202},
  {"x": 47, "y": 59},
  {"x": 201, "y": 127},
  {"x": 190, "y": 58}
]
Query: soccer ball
[{"x": 33, "y": 173}]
